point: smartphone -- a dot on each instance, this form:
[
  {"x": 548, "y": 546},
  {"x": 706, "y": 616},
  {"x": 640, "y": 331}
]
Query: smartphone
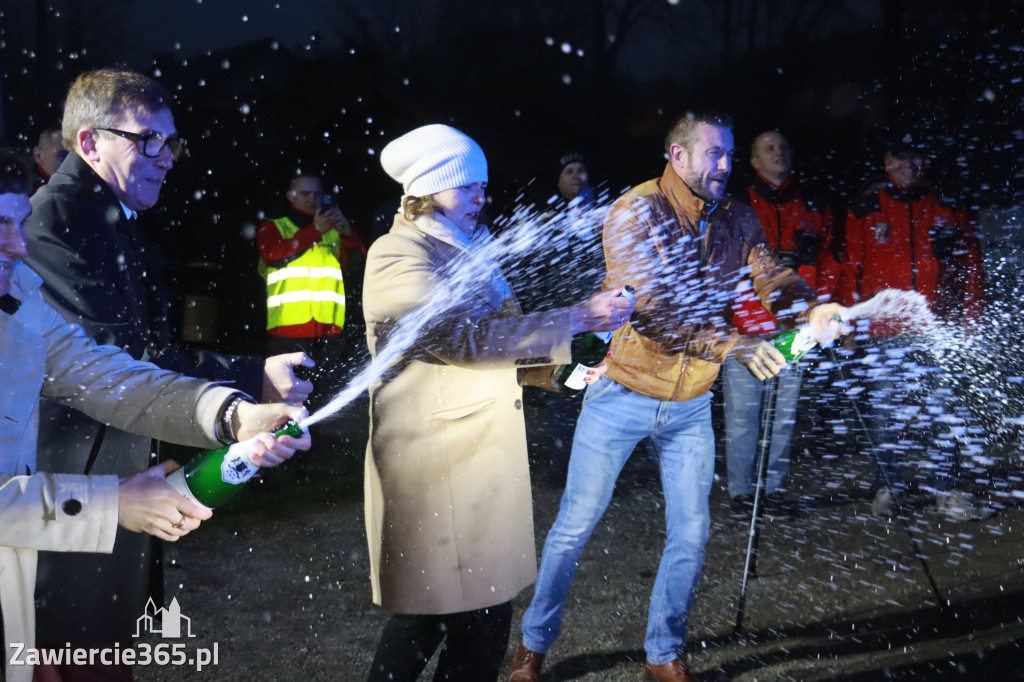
[{"x": 326, "y": 202}]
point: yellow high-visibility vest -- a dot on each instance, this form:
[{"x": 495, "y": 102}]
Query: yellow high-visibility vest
[{"x": 310, "y": 287}]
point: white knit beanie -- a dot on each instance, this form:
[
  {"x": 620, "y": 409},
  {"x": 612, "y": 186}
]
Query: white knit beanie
[{"x": 434, "y": 158}]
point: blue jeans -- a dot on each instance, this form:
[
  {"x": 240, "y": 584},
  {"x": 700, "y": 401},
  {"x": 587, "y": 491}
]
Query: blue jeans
[
  {"x": 742, "y": 392},
  {"x": 612, "y": 422}
]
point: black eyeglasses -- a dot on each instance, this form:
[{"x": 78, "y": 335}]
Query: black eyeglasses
[{"x": 151, "y": 145}]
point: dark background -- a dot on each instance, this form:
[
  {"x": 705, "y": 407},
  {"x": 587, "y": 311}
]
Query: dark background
[{"x": 265, "y": 88}]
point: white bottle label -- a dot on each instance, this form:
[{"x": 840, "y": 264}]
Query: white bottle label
[
  {"x": 803, "y": 342},
  {"x": 575, "y": 381},
  {"x": 177, "y": 481},
  {"x": 237, "y": 468}
]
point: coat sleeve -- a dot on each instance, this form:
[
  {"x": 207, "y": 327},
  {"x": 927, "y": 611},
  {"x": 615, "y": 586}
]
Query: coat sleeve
[
  {"x": 243, "y": 372},
  {"x": 409, "y": 299},
  {"x": 780, "y": 289},
  {"x": 59, "y": 512},
  {"x": 105, "y": 383},
  {"x": 273, "y": 247}
]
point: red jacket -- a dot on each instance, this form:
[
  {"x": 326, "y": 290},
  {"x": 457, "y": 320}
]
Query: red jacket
[
  {"x": 911, "y": 240},
  {"x": 796, "y": 227}
]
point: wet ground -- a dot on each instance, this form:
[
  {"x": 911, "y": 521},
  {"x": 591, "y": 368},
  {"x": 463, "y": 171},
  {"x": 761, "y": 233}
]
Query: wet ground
[{"x": 278, "y": 580}]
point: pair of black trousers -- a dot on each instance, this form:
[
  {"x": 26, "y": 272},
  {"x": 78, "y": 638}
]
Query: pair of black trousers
[{"x": 474, "y": 645}]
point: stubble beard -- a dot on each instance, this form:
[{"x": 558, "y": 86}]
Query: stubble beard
[{"x": 700, "y": 189}]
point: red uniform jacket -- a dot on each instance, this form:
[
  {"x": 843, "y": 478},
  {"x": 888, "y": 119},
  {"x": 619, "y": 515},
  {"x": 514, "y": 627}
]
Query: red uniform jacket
[
  {"x": 796, "y": 227},
  {"x": 911, "y": 240}
]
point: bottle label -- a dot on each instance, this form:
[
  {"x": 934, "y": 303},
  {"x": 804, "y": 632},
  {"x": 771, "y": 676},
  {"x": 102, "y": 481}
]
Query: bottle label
[
  {"x": 236, "y": 467},
  {"x": 575, "y": 380},
  {"x": 803, "y": 342},
  {"x": 794, "y": 343},
  {"x": 177, "y": 481}
]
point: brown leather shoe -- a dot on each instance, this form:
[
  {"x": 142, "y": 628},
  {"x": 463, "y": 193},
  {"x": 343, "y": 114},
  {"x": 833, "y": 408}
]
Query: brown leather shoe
[
  {"x": 526, "y": 666},
  {"x": 672, "y": 671}
]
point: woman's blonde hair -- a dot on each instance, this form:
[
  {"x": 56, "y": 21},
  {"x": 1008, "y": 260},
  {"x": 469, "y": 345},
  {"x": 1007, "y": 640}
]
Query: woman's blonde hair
[{"x": 414, "y": 207}]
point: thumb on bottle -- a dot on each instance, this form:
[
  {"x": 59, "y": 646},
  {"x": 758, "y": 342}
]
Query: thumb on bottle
[
  {"x": 298, "y": 414},
  {"x": 302, "y": 360},
  {"x": 168, "y": 466},
  {"x": 188, "y": 508}
]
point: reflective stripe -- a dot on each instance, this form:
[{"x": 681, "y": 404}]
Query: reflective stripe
[
  {"x": 322, "y": 272},
  {"x": 306, "y": 296}
]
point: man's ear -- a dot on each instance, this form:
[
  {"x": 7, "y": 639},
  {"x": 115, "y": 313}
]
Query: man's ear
[
  {"x": 87, "y": 144},
  {"x": 676, "y": 155}
]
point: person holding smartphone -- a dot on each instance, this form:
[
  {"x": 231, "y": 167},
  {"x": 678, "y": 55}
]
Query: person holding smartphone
[{"x": 311, "y": 259}]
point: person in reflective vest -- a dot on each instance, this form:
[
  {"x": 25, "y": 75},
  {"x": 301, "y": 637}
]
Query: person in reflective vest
[{"x": 302, "y": 258}]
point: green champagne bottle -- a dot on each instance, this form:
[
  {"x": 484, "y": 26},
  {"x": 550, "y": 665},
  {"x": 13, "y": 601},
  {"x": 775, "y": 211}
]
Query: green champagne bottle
[
  {"x": 212, "y": 477},
  {"x": 588, "y": 350},
  {"x": 794, "y": 343}
]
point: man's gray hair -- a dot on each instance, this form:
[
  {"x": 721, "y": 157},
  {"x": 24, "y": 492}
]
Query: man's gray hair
[
  {"x": 684, "y": 130},
  {"x": 97, "y": 99}
]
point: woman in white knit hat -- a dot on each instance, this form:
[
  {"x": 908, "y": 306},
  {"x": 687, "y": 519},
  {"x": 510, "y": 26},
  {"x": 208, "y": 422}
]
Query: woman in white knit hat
[{"x": 448, "y": 506}]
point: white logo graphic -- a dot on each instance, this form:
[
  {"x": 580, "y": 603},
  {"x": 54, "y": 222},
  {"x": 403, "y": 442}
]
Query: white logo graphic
[
  {"x": 164, "y": 622},
  {"x": 236, "y": 467},
  {"x": 169, "y": 621}
]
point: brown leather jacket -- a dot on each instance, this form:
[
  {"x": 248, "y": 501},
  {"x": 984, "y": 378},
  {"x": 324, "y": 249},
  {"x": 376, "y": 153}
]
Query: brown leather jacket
[{"x": 681, "y": 330}]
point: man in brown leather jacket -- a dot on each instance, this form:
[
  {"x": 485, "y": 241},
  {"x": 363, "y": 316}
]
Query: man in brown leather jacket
[{"x": 686, "y": 250}]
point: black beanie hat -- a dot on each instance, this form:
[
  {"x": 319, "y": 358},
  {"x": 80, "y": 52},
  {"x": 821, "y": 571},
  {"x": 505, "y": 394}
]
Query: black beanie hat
[{"x": 571, "y": 157}]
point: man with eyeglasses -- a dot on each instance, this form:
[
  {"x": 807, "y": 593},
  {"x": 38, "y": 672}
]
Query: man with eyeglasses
[{"x": 100, "y": 271}]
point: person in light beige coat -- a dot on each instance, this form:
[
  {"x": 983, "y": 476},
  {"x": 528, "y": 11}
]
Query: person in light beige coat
[
  {"x": 42, "y": 355},
  {"x": 448, "y": 504}
]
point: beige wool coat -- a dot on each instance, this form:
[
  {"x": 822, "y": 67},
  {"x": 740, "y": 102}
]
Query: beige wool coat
[
  {"x": 449, "y": 512},
  {"x": 41, "y": 355}
]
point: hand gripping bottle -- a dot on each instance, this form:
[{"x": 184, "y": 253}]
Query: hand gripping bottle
[
  {"x": 794, "y": 343},
  {"x": 588, "y": 350},
  {"x": 212, "y": 477}
]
